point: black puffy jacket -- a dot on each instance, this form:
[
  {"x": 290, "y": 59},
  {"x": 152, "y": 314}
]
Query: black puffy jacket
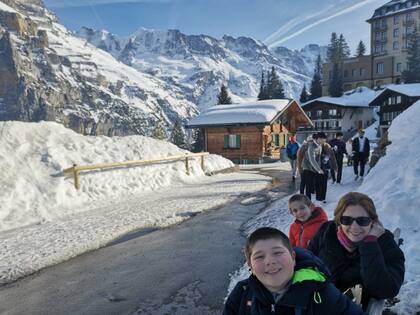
[
  {"x": 316, "y": 296},
  {"x": 378, "y": 266}
]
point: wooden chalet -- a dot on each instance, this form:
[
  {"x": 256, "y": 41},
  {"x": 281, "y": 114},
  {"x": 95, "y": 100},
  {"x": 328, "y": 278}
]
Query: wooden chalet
[
  {"x": 250, "y": 132},
  {"x": 393, "y": 100},
  {"x": 347, "y": 113}
]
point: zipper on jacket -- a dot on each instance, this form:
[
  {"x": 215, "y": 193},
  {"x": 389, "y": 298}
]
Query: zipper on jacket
[{"x": 300, "y": 235}]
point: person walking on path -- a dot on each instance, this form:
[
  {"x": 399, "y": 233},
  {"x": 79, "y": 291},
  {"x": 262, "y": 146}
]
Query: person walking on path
[
  {"x": 361, "y": 151},
  {"x": 309, "y": 164},
  {"x": 358, "y": 250},
  {"x": 328, "y": 163},
  {"x": 339, "y": 148},
  {"x": 291, "y": 150},
  {"x": 349, "y": 150}
]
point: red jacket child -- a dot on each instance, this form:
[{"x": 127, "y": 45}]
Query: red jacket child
[{"x": 308, "y": 220}]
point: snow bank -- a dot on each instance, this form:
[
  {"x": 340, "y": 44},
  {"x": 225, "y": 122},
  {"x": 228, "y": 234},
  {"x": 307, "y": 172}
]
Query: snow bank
[
  {"x": 33, "y": 156},
  {"x": 394, "y": 185}
]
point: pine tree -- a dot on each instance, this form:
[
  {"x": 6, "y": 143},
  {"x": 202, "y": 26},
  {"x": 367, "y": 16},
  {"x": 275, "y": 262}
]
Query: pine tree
[
  {"x": 332, "y": 52},
  {"x": 343, "y": 48},
  {"x": 274, "y": 86},
  {"x": 316, "y": 84},
  {"x": 361, "y": 49},
  {"x": 177, "y": 135},
  {"x": 159, "y": 132},
  {"x": 223, "y": 97},
  {"x": 198, "y": 140},
  {"x": 262, "y": 95},
  {"x": 304, "y": 95},
  {"x": 335, "y": 88},
  {"x": 412, "y": 73}
]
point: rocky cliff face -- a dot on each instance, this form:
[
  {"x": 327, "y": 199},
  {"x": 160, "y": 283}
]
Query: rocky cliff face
[
  {"x": 48, "y": 74},
  {"x": 98, "y": 83}
]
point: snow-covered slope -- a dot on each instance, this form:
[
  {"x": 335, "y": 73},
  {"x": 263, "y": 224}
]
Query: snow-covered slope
[
  {"x": 53, "y": 75},
  {"x": 199, "y": 64},
  {"x": 33, "y": 156}
]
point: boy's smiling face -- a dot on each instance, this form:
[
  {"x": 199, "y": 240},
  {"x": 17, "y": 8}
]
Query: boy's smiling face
[
  {"x": 272, "y": 263},
  {"x": 300, "y": 210}
]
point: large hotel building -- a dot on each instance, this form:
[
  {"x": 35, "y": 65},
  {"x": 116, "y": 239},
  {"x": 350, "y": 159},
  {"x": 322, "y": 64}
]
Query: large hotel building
[{"x": 389, "y": 27}]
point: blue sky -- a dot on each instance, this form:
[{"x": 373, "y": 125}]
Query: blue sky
[{"x": 290, "y": 23}]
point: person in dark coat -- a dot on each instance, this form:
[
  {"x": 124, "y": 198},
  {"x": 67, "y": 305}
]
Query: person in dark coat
[
  {"x": 361, "y": 151},
  {"x": 328, "y": 163},
  {"x": 339, "y": 148},
  {"x": 285, "y": 281},
  {"x": 358, "y": 250}
]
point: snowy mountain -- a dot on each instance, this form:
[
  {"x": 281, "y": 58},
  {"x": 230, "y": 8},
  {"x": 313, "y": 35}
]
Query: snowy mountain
[
  {"x": 129, "y": 85},
  {"x": 49, "y": 74},
  {"x": 199, "y": 64}
]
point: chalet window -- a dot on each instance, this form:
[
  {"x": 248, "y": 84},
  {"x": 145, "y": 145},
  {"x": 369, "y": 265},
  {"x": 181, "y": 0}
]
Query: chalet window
[
  {"x": 332, "y": 112},
  {"x": 399, "y": 99},
  {"x": 309, "y": 114},
  {"x": 276, "y": 139},
  {"x": 232, "y": 142},
  {"x": 319, "y": 113}
]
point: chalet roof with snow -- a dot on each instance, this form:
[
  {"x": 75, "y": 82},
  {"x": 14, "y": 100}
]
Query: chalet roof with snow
[
  {"x": 359, "y": 97},
  {"x": 250, "y": 113},
  {"x": 410, "y": 90}
]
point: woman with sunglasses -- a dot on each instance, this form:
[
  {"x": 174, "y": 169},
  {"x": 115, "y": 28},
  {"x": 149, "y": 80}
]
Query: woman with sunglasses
[{"x": 358, "y": 250}]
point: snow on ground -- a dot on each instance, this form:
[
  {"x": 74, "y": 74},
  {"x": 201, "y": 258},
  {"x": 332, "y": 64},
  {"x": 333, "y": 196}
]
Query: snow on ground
[
  {"x": 44, "y": 220},
  {"x": 394, "y": 186}
]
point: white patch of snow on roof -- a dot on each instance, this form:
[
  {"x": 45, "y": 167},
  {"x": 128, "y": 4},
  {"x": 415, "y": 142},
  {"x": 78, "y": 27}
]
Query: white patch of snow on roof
[
  {"x": 252, "y": 112},
  {"x": 412, "y": 89},
  {"x": 359, "y": 97}
]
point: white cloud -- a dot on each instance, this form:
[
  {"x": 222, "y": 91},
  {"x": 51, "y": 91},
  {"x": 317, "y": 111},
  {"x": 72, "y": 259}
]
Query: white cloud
[
  {"x": 273, "y": 43},
  {"x": 81, "y": 3}
]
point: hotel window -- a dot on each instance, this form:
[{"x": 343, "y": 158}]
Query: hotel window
[
  {"x": 383, "y": 35},
  {"x": 399, "y": 67},
  {"x": 377, "y": 36},
  {"x": 377, "y": 49},
  {"x": 396, "y": 19},
  {"x": 383, "y": 22},
  {"x": 396, "y": 32},
  {"x": 379, "y": 68},
  {"x": 409, "y": 17},
  {"x": 353, "y": 72},
  {"x": 396, "y": 45},
  {"x": 362, "y": 72},
  {"x": 382, "y": 47},
  {"x": 377, "y": 23},
  {"x": 346, "y": 73}
]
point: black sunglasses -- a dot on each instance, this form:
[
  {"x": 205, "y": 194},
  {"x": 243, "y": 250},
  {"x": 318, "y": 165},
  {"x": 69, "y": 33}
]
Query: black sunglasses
[{"x": 362, "y": 221}]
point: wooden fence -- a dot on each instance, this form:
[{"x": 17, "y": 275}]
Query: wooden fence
[{"x": 75, "y": 169}]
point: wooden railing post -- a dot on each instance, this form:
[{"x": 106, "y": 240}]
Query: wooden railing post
[
  {"x": 186, "y": 165},
  {"x": 76, "y": 177},
  {"x": 202, "y": 162}
]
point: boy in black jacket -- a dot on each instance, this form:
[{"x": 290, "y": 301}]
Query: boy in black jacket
[{"x": 285, "y": 281}]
